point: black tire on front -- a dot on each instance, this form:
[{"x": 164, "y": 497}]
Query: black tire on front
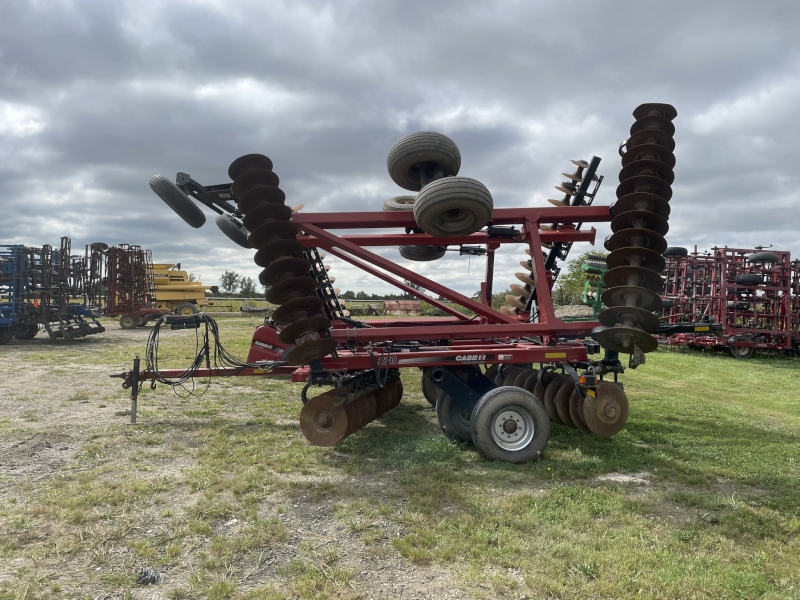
[
  {"x": 422, "y": 253},
  {"x": 186, "y": 309},
  {"x": 749, "y": 279},
  {"x": 233, "y": 229},
  {"x": 424, "y": 150},
  {"x": 675, "y": 252},
  {"x": 128, "y": 321},
  {"x": 399, "y": 203},
  {"x": 178, "y": 201},
  {"x": 453, "y": 207},
  {"x": 509, "y": 424},
  {"x": 26, "y": 331},
  {"x": 454, "y": 421},
  {"x": 762, "y": 257},
  {"x": 740, "y": 352}
]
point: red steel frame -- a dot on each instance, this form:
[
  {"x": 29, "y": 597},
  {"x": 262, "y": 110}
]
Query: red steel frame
[
  {"x": 703, "y": 287},
  {"x": 489, "y": 337}
]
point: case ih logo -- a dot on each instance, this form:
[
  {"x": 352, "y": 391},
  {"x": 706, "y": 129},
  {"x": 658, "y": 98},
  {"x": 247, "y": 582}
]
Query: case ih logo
[
  {"x": 471, "y": 358},
  {"x": 263, "y": 345}
]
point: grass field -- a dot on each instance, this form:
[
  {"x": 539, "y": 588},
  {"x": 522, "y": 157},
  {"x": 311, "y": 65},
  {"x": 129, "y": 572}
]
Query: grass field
[{"x": 699, "y": 497}]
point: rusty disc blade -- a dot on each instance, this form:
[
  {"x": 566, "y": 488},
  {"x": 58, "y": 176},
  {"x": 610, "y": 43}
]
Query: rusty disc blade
[
  {"x": 640, "y": 238},
  {"x": 606, "y": 413},
  {"x": 651, "y": 137},
  {"x": 310, "y": 351},
  {"x": 649, "y": 109},
  {"x": 649, "y": 152},
  {"x": 622, "y": 339},
  {"x": 526, "y": 278},
  {"x": 641, "y": 201},
  {"x": 509, "y": 311},
  {"x": 526, "y": 264},
  {"x": 523, "y": 377},
  {"x": 298, "y": 309},
  {"x": 580, "y": 163},
  {"x": 509, "y": 373},
  {"x": 515, "y": 302},
  {"x": 272, "y": 232},
  {"x": 555, "y": 202},
  {"x": 640, "y": 219},
  {"x": 278, "y": 250},
  {"x": 529, "y": 384},
  {"x": 248, "y": 162},
  {"x": 371, "y": 407},
  {"x": 576, "y": 410},
  {"x": 260, "y": 194},
  {"x": 644, "y": 184},
  {"x": 561, "y": 401},
  {"x": 633, "y": 276},
  {"x": 322, "y": 423},
  {"x": 311, "y": 325},
  {"x": 549, "y": 396},
  {"x": 266, "y": 213},
  {"x": 279, "y": 270},
  {"x": 653, "y": 168},
  {"x": 630, "y": 256},
  {"x": 289, "y": 289},
  {"x": 628, "y": 315},
  {"x": 565, "y": 190},
  {"x": 653, "y": 123},
  {"x": 520, "y": 290},
  {"x": 253, "y": 178},
  {"x": 629, "y": 295},
  {"x": 573, "y": 176},
  {"x": 398, "y": 390}
]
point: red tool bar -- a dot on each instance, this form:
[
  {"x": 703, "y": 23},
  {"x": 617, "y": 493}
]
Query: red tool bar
[
  {"x": 500, "y": 216},
  {"x": 423, "y": 239},
  {"x": 403, "y": 273}
]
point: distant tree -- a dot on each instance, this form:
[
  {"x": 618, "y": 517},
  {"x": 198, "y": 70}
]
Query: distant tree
[
  {"x": 362, "y": 296},
  {"x": 348, "y": 295},
  {"x": 569, "y": 285},
  {"x": 229, "y": 282},
  {"x": 248, "y": 287}
]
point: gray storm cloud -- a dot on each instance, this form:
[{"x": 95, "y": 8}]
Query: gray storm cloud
[{"x": 96, "y": 97}]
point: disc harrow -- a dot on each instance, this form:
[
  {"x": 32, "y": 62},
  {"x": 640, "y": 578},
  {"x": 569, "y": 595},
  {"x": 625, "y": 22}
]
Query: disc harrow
[{"x": 639, "y": 224}]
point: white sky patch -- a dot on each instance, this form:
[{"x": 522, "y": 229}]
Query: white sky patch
[{"x": 20, "y": 120}]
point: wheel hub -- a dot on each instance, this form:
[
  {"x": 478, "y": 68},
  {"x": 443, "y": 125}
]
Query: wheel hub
[
  {"x": 324, "y": 419},
  {"x": 513, "y": 429},
  {"x": 610, "y": 410}
]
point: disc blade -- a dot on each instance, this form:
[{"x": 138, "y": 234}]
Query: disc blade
[{"x": 606, "y": 412}]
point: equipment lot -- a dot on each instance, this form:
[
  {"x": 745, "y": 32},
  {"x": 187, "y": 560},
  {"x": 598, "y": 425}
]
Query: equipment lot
[{"x": 698, "y": 497}]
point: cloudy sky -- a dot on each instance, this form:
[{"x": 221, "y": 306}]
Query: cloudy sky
[{"x": 97, "y": 96}]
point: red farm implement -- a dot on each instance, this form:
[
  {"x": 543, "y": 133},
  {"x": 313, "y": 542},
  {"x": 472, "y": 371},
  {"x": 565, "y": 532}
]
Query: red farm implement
[
  {"x": 478, "y": 370},
  {"x": 753, "y": 294}
]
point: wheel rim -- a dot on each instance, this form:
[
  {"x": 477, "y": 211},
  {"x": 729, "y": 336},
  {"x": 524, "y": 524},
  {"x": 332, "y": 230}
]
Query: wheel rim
[
  {"x": 186, "y": 310},
  {"x": 462, "y": 417},
  {"x": 513, "y": 429}
]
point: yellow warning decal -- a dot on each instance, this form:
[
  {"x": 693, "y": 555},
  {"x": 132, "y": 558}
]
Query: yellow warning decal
[
  {"x": 705, "y": 328},
  {"x": 590, "y": 393},
  {"x": 555, "y": 355},
  {"x": 258, "y": 371}
]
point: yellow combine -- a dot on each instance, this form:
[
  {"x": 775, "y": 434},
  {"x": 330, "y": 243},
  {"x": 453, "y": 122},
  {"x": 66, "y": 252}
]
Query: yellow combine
[{"x": 174, "y": 291}]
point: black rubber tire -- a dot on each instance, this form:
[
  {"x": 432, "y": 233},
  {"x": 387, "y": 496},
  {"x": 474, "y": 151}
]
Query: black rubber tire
[
  {"x": 667, "y": 303},
  {"x": 420, "y": 148},
  {"x": 399, "y": 203},
  {"x": 141, "y": 320},
  {"x": 422, "y": 253},
  {"x": 6, "y": 335},
  {"x": 174, "y": 197},
  {"x": 486, "y": 435},
  {"x": 738, "y": 305},
  {"x": 453, "y": 207},
  {"x": 429, "y": 389},
  {"x": 762, "y": 257},
  {"x": 233, "y": 229},
  {"x": 740, "y": 352},
  {"x": 675, "y": 252},
  {"x": 99, "y": 246},
  {"x": 26, "y": 331},
  {"x": 749, "y": 279},
  {"x": 453, "y": 420},
  {"x": 128, "y": 321},
  {"x": 186, "y": 306}
]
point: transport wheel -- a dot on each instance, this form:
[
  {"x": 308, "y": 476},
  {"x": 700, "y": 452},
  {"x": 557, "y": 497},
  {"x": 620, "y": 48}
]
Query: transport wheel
[
  {"x": 763, "y": 257},
  {"x": 399, "y": 203},
  {"x": 6, "y": 335},
  {"x": 675, "y": 252},
  {"x": 422, "y": 253},
  {"x": 186, "y": 309},
  {"x": 26, "y": 331},
  {"x": 422, "y": 151},
  {"x": 429, "y": 389},
  {"x": 174, "y": 197},
  {"x": 141, "y": 320},
  {"x": 510, "y": 424},
  {"x": 128, "y": 321},
  {"x": 454, "y": 420},
  {"x": 453, "y": 207},
  {"x": 233, "y": 229},
  {"x": 749, "y": 279},
  {"x": 740, "y": 351},
  {"x": 99, "y": 246}
]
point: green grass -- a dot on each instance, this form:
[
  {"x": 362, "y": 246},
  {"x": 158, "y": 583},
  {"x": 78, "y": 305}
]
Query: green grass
[{"x": 699, "y": 497}]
